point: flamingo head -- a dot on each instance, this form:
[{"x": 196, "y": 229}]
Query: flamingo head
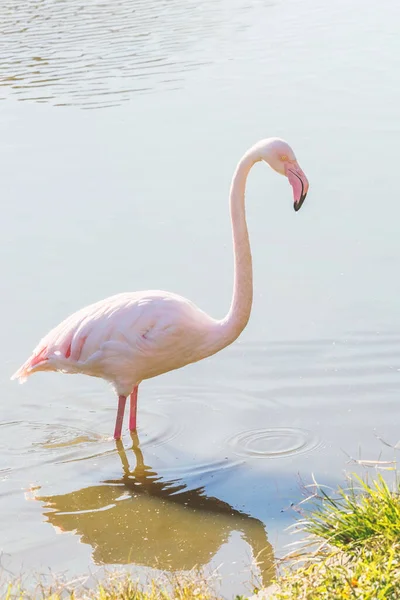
[{"x": 280, "y": 157}]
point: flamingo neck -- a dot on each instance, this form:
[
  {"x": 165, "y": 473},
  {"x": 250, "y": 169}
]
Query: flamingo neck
[{"x": 239, "y": 313}]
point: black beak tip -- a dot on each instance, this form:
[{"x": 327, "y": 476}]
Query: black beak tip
[{"x": 297, "y": 205}]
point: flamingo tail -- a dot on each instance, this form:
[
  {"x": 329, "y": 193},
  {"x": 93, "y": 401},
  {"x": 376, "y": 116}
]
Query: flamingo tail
[{"x": 36, "y": 362}]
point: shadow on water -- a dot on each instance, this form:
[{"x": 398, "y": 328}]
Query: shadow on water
[{"x": 145, "y": 520}]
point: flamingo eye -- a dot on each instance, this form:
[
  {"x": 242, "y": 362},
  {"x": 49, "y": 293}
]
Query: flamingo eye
[{"x": 284, "y": 157}]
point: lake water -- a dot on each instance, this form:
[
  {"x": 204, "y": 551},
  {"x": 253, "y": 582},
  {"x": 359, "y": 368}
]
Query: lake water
[{"x": 120, "y": 126}]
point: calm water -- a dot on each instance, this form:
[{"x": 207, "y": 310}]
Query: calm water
[{"x": 120, "y": 126}]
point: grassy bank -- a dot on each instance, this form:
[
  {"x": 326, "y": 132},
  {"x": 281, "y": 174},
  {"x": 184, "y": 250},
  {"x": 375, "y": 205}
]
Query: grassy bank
[
  {"x": 357, "y": 532},
  {"x": 350, "y": 550}
]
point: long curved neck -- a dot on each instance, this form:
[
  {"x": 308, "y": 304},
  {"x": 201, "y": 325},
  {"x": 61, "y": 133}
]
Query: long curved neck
[{"x": 239, "y": 313}]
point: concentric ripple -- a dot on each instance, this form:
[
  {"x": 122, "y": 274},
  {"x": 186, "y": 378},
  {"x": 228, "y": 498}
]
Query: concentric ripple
[
  {"x": 157, "y": 428},
  {"x": 276, "y": 442},
  {"x": 51, "y": 435}
]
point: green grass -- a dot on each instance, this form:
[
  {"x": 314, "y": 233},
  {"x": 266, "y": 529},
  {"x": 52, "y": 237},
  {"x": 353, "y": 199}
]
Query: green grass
[
  {"x": 361, "y": 514},
  {"x": 357, "y": 533}
]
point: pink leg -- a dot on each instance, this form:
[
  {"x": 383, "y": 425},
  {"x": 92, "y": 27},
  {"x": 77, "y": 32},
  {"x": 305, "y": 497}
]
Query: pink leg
[
  {"x": 120, "y": 417},
  {"x": 132, "y": 415}
]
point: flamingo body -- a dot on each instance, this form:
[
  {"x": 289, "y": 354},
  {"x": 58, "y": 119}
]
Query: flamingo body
[{"x": 124, "y": 339}]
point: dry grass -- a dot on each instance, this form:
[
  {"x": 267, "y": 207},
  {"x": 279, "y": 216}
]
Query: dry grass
[{"x": 119, "y": 586}]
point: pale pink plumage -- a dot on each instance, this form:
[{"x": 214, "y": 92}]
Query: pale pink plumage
[{"x": 130, "y": 337}]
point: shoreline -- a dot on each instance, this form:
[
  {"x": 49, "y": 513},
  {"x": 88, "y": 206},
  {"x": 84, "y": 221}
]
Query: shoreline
[{"x": 349, "y": 548}]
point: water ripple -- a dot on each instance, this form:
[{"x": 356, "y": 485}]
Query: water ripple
[
  {"x": 96, "y": 54},
  {"x": 276, "y": 442}
]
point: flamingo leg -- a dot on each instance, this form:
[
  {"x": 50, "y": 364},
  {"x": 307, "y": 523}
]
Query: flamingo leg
[
  {"x": 120, "y": 417},
  {"x": 133, "y": 410}
]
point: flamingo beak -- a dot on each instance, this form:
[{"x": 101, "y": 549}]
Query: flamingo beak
[{"x": 299, "y": 183}]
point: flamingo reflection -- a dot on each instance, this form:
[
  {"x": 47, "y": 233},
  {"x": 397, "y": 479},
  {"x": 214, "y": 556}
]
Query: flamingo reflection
[{"x": 145, "y": 520}]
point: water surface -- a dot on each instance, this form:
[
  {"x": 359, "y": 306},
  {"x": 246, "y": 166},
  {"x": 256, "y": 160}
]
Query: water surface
[{"x": 121, "y": 124}]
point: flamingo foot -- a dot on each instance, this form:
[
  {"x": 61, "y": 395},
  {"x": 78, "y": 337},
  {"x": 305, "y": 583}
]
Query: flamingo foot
[
  {"x": 120, "y": 417},
  {"x": 133, "y": 409}
]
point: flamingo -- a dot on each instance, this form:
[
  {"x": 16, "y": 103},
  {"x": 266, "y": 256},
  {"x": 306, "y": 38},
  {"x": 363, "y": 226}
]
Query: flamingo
[{"x": 133, "y": 336}]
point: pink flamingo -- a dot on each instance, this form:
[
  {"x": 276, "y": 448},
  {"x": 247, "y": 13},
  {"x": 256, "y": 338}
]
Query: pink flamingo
[{"x": 134, "y": 336}]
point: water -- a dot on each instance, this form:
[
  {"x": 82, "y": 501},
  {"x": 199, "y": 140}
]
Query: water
[{"x": 121, "y": 124}]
